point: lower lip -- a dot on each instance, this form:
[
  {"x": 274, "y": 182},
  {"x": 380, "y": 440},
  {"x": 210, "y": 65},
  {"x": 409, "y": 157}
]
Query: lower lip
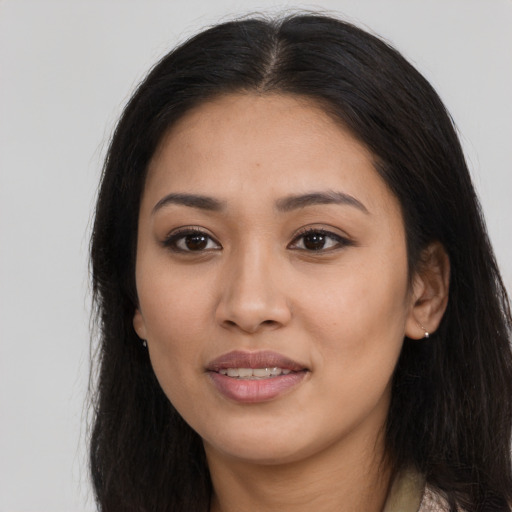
[{"x": 255, "y": 390}]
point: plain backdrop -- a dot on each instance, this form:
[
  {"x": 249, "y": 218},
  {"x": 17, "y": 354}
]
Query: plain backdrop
[{"x": 66, "y": 70}]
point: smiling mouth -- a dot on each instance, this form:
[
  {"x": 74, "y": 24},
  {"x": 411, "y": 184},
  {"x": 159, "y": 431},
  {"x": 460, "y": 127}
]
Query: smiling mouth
[
  {"x": 259, "y": 365},
  {"x": 253, "y": 377},
  {"x": 254, "y": 373}
]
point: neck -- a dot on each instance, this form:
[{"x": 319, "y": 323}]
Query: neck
[{"x": 347, "y": 478}]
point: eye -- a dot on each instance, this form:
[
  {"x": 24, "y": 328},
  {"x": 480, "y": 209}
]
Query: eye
[
  {"x": 314, "y": 239},
  {"x": 191, "y": 240}
]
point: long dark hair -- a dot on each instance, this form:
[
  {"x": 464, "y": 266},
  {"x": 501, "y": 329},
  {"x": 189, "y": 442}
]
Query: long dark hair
[{"x": 451, "y": 406}]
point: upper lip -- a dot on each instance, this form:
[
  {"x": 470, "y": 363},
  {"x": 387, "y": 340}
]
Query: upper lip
[{"x": 261, "y": 359}]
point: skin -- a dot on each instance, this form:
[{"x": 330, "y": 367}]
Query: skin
[{"x": 342, "y": 311}]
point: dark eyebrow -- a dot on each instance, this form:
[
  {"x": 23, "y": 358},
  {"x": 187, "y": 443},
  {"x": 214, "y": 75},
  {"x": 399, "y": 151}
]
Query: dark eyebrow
[
  {"x": 328, "y": 197},
  {"x": 191, "y": 200}
]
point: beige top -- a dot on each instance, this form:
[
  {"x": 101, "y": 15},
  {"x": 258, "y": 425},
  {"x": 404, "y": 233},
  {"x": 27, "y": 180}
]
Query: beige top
[{"x": 410, "y": 494}]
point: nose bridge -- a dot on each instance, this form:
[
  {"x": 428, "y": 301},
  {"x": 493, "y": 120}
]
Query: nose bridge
[{"x": 251, "y": 293}]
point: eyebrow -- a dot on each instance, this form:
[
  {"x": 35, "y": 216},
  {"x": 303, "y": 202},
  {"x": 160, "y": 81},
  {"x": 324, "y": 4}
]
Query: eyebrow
[
  {"x": 191, "y": 200},
  {"x": 285, "y": 204},
  {"x": 315, "y": 198}
]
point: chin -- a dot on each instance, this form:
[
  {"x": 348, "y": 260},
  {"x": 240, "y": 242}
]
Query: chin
[
  {"x": 272, "y": 446},
  {"x": 271, "y": 455}
]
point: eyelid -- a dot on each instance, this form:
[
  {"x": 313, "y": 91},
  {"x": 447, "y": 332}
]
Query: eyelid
[
  {"x": 342, "y": 240},
  {"x": 177, "y": 234}
]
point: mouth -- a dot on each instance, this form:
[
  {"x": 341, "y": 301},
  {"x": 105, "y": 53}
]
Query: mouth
[
  {"x": 251, "y": 377},
  {"x": 254, "y": 373},
  {"x": 272, "y": 363}
]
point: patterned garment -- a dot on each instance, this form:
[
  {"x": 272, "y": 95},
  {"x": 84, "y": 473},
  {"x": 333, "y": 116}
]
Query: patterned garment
[{"x": 432, "y": 502}]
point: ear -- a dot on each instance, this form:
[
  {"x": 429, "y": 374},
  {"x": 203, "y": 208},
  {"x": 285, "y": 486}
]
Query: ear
[
  {"x": 429, "y": 294},
  {"x": 139, "y": 325}
]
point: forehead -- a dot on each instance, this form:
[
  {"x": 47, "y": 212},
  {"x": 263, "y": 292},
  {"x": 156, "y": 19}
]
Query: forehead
[
  {"x": 263, "y": 121},
  {"x": 247, "y": 144}
]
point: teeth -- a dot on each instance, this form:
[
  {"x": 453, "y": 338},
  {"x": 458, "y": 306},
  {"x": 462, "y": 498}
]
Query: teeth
[
  {"x": 243, "y": 373},
  {"x": 259, "y": 372},
  {"x": 254, "y": 373}
]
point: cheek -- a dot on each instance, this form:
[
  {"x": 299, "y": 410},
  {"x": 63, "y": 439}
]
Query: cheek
[
  {"x": 176, "y": 330},
  {"x": 358, "y": 320},
  {"x": 361, "y": 301},
  {"x": 177, "y": 320},
  {"x": 359, "y": 329},
  {"x": 175, "y": 307}
]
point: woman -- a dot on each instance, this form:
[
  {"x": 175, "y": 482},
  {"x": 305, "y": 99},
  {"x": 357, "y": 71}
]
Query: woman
[{"x": 299, "y": 305}]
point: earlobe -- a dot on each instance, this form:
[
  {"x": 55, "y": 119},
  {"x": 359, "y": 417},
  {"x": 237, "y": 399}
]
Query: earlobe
[
  {"x": 139, "y": 325},
  {"x": 429, "y": 293}
]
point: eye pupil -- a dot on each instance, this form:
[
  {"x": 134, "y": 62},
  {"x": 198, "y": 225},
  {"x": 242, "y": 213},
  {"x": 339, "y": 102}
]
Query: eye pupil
[
  {"x": 314, "y": 241},
  {"x": 196, "y": 242}
]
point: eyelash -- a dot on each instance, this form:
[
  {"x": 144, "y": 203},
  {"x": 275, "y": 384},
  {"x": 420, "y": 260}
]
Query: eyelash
[
  {"x": 172, "y": 241},
  {"x": 339, "y": 240}
]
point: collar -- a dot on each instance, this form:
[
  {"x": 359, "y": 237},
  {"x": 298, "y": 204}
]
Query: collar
[{"x": 406, "y": 492}]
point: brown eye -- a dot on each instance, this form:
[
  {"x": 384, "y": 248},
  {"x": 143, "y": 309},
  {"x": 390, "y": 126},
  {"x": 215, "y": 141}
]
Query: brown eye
[
  {"x": 314, "y": 241},
  {"x": 319, "y": 240},
  {"x": 196, "y": 242},
  {"x": 191, "y": 240}
]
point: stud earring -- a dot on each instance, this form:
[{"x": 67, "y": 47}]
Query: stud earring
[
  {"x": 426, "y": 334},
  {"x": 144, "y": 343}
]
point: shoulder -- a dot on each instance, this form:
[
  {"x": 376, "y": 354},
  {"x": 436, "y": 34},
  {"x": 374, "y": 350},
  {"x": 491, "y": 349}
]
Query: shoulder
[{"x": 432, "y": 501}]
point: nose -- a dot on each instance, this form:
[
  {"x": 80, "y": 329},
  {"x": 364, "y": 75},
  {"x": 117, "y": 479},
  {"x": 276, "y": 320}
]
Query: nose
[{"x": 253, "y": 297}]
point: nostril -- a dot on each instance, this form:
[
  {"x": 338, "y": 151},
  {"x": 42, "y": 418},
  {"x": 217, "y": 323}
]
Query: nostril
[{"x": 250, "y": 327}]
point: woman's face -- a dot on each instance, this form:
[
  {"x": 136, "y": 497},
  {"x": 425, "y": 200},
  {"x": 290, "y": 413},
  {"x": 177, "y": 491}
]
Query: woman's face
[{"x": 272, "y": 279}]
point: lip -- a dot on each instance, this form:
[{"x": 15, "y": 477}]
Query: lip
[
  {"x": 261, "y": 359},
  {"x": 260, "y": 390}
]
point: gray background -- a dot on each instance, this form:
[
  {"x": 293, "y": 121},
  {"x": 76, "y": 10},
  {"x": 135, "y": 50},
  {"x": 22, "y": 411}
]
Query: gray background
[{"x": 66, "y": 69}]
